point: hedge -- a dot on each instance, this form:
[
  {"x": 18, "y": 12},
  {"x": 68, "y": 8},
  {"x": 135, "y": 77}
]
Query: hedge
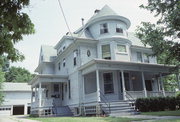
[{"x": 157, "y": 104}]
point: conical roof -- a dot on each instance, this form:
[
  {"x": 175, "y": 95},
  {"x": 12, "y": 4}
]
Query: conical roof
[{"x": 106, "y": 11}]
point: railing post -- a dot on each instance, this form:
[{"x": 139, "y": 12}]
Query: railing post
[
  {"x": 98, "y": 87},
  {"x": 144, "y": 84},
  {"x": 123, "y": 85},
  {"x": 162, "y": 85}
]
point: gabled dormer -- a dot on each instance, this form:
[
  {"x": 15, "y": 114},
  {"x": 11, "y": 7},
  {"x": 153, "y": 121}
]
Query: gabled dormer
[{"x": 46, "y": 60}]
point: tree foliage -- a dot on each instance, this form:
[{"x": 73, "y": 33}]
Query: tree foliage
[
  {"x": 18, "y": 74},
  {"x": 14, "y": 23},
  {"x": 2, "y": 79},
  {"x": 164, "y": 36}
]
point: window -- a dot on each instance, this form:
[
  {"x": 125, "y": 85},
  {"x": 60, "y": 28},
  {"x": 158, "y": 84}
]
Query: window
[
  {"x": 139, "y": 57},
  {"x": 59, "y": 66},
  {"x": 75, "y": 57},
  {"x": 64, "y": 62},
  {"x": 108, "y": 83},
  {"x": 69, "y": 88},
  {"x": 64, "y": 47},
  {"x": 119, "y": 29},
  {"x": 121, "y": 48},
  {"x": 106, "y": 53},
  {"x": 146, "y": 58},
  {"x": 103, "y": 28}
]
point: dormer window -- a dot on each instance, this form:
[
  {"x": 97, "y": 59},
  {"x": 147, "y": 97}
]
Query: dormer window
[
  {"x": 146, "y": 58},
  {"x": 119, "y": 29},
  {"x": 103, "y": 28}
]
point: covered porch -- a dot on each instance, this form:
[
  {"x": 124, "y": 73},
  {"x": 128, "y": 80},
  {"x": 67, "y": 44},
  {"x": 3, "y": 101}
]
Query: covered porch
[
  {"x": 114, "y": 80},
  {"x": 47, "y": 92}
]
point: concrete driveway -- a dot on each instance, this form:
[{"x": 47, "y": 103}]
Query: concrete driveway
[{"x": 20, "y": 118}]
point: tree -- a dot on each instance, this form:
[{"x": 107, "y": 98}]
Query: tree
[
  {"x": 13, "y": 25},
  {"x": 2, "y": 79},
  {"x": 18, "y": 74},
  {"x": 164, "y": 36}
]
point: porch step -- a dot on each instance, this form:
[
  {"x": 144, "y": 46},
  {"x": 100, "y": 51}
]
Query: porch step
[
  {"x": 62, "y": 111},
  {"x": 119, "y": 108}
]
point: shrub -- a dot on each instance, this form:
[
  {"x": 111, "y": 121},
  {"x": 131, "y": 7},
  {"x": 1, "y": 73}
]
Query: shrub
[{"x": 157, "y": 103}]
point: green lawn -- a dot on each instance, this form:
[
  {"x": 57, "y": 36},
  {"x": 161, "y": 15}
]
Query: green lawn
[
  {"x": 85, "y": 119},
  {"x": 169, "y": 120},
  {"x": 162, "y": 113}
]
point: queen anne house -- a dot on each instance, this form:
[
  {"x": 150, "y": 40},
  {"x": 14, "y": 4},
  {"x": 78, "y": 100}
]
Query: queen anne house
[{"x": 100, "y": 68}]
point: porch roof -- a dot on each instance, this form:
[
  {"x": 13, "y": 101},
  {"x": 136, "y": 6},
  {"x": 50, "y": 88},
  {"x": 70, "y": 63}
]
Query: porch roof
[
  {"x": 48, "y": 78},
  {"x": 102, "y": 64}
]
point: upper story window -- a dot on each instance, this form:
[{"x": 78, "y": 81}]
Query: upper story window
[
  {"x": 139, "y": 57},
  {"x": 59, "y": 66},
  {"x": 64, "y": 62},
  {"x": 75, "y": 57},
  {"x": 103, "y": 28},
  {"x": 118, "y": 28},
  {"x": 146, "y": 58},
  {"x": 64, "y": 47},
  {"x": 106, "y": 52},
  {"x": 121, "y": 48}
]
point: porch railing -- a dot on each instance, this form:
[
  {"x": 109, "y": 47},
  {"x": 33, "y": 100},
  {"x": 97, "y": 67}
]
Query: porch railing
[
  {"x": 135, "y": 94},
  {"x": 141, "y": 94},
  {"x": 154, "y": 94},
  {"x": 105, "y": 101}
]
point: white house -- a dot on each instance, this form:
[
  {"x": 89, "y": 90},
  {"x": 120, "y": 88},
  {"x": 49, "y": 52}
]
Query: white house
[
  {"x": 17, "y": 99},
  {"x": 96, "y": 69}
]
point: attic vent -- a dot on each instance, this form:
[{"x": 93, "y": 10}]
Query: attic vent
[{"x": 96, "y": 11}]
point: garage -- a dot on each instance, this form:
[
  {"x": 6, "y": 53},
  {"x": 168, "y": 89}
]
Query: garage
[
  {"x": 5, "y": 111},
  {"x": 18, "y": 110}
]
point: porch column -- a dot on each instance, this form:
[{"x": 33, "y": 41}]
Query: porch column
[
  {"x": 40, "y": 94},
  {"x": 98, "y": 87},
  {"x": 178, "y": 80},
  {"x": 123, "y": 85},
  {"x": 35, "y": 93},
  {"x": 162, "y": 85},
  {"x": 31, "y": 96},
  {"x": 144, "y": 84}
]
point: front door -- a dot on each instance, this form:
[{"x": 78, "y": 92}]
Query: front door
[
  {"x": 57, "y": 96},
  {"x": 148, "y": 85}
]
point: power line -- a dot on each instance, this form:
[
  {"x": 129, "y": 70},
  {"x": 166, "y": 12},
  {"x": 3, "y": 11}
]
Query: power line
[{"x": 65, "y": 18}]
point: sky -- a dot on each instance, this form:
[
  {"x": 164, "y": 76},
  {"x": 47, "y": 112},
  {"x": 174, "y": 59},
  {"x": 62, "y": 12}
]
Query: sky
[{"x": 50, "y": 25}]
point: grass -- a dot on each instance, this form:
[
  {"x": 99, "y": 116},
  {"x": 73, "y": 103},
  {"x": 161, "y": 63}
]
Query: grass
[
  {"x": 162, "y": 113},
  {"x": 86, "y": 119},
  {"x": 168, "y": 120}
]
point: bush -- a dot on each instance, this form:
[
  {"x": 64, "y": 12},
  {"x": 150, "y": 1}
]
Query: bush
[{"x": 157, "y": 104}]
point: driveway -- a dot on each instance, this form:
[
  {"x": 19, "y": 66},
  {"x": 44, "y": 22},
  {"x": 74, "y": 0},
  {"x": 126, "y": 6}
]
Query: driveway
[{"x": 20, "y": 118}]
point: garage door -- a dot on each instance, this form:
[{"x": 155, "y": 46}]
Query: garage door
[
  {"x": 18, "y": 110},
  {"x": 5, "y": 111}
]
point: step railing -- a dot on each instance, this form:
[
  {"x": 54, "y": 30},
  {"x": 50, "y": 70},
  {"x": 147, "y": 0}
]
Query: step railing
[
  {"x": 105, "y": 101},
  {"x": 131, "y": 99}
]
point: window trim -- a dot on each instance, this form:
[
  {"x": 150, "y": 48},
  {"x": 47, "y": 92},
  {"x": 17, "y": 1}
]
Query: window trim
[
  {"x": 125, "y": 49},
  {"x": 64, "y": 62},
  {"x": 102, "y": 30},
  {"x": 109, "y": 51},
  {"x": 120, "y": 28}
]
